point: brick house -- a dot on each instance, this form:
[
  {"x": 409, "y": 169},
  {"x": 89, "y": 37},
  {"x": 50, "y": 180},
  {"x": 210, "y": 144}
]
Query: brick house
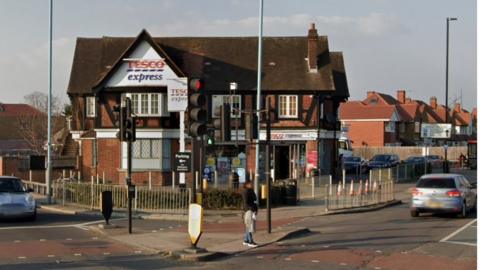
[
  {"x": 300, "y": 75},
  {"x": 12, "y": 140},
  {"x": 382, "y": 120}
]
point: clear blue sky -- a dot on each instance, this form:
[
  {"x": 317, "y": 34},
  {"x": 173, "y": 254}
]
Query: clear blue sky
[{"x": 387, "y": 44}]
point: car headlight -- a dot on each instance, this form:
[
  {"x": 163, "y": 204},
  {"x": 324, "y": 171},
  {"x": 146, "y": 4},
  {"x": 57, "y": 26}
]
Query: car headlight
[{"x": 30, "y": 201}]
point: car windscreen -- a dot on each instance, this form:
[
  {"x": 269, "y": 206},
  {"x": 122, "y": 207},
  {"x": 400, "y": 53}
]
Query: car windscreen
[
  {"x": 11, "y": 185},
  {"x": 381, "y": 158},
  {"x": 436, "y": 183},
  {"x": 414, "y": 159},
  {"x": 352, "y": 159}
]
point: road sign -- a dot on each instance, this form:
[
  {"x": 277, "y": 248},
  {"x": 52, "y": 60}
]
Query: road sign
[
  {"x": 195, "y": 220},
  {"x": 211, "y": 162},
  {"x": 235, "y": 162},
  {"x": 183, "y": 162}
]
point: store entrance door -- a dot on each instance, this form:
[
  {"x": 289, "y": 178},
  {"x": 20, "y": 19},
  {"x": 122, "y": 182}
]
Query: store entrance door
[{"x": 282, "y": 162}]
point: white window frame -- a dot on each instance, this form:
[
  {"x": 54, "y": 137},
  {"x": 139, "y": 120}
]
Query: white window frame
[
  {"x": 138, "y": 107},
  {"x": 390, "y": 126},
  {"x": 218, "y": 100},
  {"x": 90, "y": 106},
  {"x": 288, "y": 113}
]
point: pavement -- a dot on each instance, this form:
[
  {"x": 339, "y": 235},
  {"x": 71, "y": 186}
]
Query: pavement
[{"x": 222, "y": 230}]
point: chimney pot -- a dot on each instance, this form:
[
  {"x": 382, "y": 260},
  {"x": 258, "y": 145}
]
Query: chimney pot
[
  {"x": 458, "y": 107},
  {"x": 433, "y": 102},
  {"x": 401, "y": 96}
]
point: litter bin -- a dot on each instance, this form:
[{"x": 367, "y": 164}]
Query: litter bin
[{"x": 291, "y": 193}]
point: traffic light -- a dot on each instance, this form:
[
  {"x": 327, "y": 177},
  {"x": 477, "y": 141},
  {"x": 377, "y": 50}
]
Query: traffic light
[
  {"x": 222, "y": 124},
  {"x": 197, "y": 114},
  {"x": 127, "y": 123},
  {"x": 210, "y": 136}
]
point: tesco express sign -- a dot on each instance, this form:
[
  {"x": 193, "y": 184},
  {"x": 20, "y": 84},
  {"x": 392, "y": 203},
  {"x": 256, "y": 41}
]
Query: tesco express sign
[{"x": 145, "y": 70}]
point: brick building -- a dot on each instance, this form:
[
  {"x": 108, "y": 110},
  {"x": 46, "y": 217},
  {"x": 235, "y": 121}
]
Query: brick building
[
  {"x": 382, "y": 120},
  {"x": 300, "y": 75}
]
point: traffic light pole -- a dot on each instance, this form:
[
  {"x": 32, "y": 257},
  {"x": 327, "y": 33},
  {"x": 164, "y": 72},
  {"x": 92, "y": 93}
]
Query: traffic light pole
[
  {"x": 129, "y": 184},
  {"x": 267, "y": 167}
]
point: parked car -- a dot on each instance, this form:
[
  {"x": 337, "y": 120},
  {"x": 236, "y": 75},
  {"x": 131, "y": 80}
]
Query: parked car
[
  {"x": 443, "y": 193},
  {"x": 435, "y": 160},
  {"x": 383, "y": 161},
  {"x": 353, "y": 165},
  {"x": 416, "y": 160},
  {"x": 15, "y": 200}
]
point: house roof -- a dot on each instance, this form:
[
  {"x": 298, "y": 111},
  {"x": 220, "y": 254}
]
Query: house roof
[
  {"x": 219, "y": 61},
  {"x": 359, "y": 110},
  {"x": 9, "y": 110}
]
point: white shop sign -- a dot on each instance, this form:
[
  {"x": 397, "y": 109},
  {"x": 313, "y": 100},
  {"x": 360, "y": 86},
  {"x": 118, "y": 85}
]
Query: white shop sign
[
  {"x": 143, "y": 67},
  {"x": 177, "y": 95}
]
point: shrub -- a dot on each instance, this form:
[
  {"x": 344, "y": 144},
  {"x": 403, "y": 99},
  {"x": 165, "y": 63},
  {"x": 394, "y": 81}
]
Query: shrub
[{"x": 222, "y": 199}]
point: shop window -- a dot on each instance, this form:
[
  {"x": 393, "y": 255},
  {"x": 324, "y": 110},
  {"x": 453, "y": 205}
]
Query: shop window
[
  {"x": 90, "y": 107},
  {"x": 149, "y": 104},
  {"x": 235, "y": 102},
  {"x": 287, "y": 106}
]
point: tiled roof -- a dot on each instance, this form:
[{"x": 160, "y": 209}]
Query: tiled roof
[
  {"x": 219, "y": 60},
  {"x": 358, "y": 110},
  {"x": 9, "y": 110}
]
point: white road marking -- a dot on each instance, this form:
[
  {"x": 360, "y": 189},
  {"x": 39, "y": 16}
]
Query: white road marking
[
  {"x": 77, "y": 254},
  {"x": 106, "y": 253},
  {"x": 138, "y": 251},
  {"x": 50, "y": 256},
  {"x": 445, "y": 239},
  {"x": 17, "y": 241},
  {"x": 378, "y": 251},
  {"x": 288, "y": 259},
  {"x": 82, "y": 228},
  {"x": 343, "y": 264},
  {"x": 22, "y": 257},
  {"x": 42, "y": 240},
  {"x": 315, "y": 261},
  {"x": 378, "y": 268},
  {"x": 326, "y": 246},
  {"x": 94, "y": 238},
  {"x": 79, "y": 225},
  {"x": 461, "y": 243},
  {"x": 154, "y": 231},
  {"x": 259, "y": 257},
  {"x": 69, "y": 239}
]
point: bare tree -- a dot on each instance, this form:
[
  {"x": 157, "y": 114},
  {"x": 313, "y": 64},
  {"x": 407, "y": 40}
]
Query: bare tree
[
  {"x": 39, "y": 101},
  {"x": 33, "y": 127}
]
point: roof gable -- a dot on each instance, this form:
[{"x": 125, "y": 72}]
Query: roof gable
[{"x": 144, "y": 62}]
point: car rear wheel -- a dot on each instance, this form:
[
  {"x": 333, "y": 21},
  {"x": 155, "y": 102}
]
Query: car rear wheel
[
  {"x": 463, "y": 212},
  {"x": 414, "y": 213}
]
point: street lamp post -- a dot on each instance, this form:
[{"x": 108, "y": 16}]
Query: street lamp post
[{"x": 446, "y": 169}]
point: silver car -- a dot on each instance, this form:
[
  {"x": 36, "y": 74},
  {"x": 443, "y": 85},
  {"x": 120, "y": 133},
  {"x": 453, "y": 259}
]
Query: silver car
[
  {"x": 443, "y": 193},
  {"x": 15, "y": 199}
]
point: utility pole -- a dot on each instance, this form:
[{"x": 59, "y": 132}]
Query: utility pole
[
  {"x": 446, "y": 169},
  {"x": 49, "y": 101},
  {"x": 259, "y": 89}
]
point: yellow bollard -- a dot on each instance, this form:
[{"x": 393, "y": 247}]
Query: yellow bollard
[
  {"x": 264, "y": 192},
  {"x": 205, "y": 184},
  {"x": 199, "y": 198}
]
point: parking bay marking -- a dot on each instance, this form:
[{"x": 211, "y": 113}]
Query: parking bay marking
[{"x": 446, "y": 239}]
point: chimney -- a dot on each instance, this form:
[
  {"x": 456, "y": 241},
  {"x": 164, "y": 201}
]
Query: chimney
[
  {"x": 401, "y": 96},
  {"x": 370, "y": 93},
  {"x": 433, "y": 102},
  {"x": 312, "y": 48},
  {"x": 458, "y": 107}
]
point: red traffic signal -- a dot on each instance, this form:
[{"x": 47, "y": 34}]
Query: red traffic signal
[{"x": 196, "y": 85}]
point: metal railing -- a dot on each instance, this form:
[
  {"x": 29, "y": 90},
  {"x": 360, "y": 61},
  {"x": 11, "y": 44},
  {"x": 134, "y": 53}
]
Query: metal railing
[
  {"x": 163, "y": 199},
  {"x": 39, "y": 188},
  {"x": 312, "y": 187},
  {"x": 358, "y": 193}
]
